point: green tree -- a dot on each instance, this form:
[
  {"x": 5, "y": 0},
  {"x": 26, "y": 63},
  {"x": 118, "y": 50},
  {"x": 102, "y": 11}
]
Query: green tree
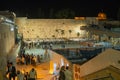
[
  {"x": 65, "y": 13},
  {"x": 51, "y": 13},
  {"x": 118, "y": 14},
  {"x": 41, "y": 13}
]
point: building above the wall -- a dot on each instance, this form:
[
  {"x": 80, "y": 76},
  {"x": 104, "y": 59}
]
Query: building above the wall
[{"x": 8, "y": 14}]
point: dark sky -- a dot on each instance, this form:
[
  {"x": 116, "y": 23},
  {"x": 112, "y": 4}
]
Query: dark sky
[{"x": 81, "y": 7}]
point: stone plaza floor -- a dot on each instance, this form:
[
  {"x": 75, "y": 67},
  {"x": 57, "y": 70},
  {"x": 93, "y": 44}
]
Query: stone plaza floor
[{"x": 43, "y": 68}]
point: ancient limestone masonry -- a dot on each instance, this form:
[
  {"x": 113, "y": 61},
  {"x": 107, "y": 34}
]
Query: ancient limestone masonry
[{"x": 50, "y": 28}]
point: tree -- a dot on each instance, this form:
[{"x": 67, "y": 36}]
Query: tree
[
  {"x": 40, "y": 13},
  {"x": 65, "y": 13},
  {"x": 51, "y": 13},
  {"x": 118, "y": 14}
]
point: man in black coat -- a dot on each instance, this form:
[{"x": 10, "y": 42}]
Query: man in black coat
[{"x": 11, "y": 71}]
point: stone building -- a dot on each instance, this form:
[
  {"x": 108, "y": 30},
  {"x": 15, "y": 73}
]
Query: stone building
[{"x": 7, "y": 41}]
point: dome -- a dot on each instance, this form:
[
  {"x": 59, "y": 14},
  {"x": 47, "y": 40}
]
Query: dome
[{"x": 102, "y": 15}]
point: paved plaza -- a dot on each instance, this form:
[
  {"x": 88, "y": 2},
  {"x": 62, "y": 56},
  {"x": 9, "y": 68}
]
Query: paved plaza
[{"x": 43, "y": 68}]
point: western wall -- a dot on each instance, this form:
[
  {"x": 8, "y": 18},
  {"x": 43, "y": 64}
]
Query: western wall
[{"x": 52, "y": 28}]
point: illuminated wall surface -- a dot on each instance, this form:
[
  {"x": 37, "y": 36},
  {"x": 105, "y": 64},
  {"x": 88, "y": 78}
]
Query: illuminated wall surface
[
  {"x": 6, "y": 38},
  {"x": 7, "y": 42},
  {"x": 49, "y": 28}
]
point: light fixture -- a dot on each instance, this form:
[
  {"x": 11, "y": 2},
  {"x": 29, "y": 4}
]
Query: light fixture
[
  {"x": 51, "y": 67},
  {"x": 11, "y": 28},
  {"x": 62, "y": 62}
]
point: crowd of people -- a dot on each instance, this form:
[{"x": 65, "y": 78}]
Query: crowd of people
[
  {"x": 32, "y": 59},
  {"x": 63, "y": 74},
  {"x": 12, "y": 74},
  {"x": 29, "y": 59}
]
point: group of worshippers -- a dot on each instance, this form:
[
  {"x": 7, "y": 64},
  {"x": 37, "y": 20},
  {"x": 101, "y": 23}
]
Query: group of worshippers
[
  {"x": 31, "y": 75},
  {"x": 13, "y": 74},
  {"x": 26, "y": 58},
  {"x": 29, "y": 59}
]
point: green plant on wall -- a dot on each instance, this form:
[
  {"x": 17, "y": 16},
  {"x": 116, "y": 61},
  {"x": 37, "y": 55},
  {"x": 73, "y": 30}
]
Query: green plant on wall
[
  {"x": 62, "y": 33},
  {"x": 78, "y": 34},
  {"x": 70, "y": 31},
  {"x": 53, "y": 36},
  {"x": 57, "y": 31}
]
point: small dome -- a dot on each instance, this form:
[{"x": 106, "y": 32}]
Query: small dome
[{"x": 102, "y": 15}]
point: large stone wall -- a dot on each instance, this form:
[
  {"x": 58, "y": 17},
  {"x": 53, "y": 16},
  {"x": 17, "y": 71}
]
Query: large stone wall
[
  {"x": 46, "y": 28},
  {"x": 7, "y": 41}
]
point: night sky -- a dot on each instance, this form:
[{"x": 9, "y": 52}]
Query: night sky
[{"x": 81, "y": 7}]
